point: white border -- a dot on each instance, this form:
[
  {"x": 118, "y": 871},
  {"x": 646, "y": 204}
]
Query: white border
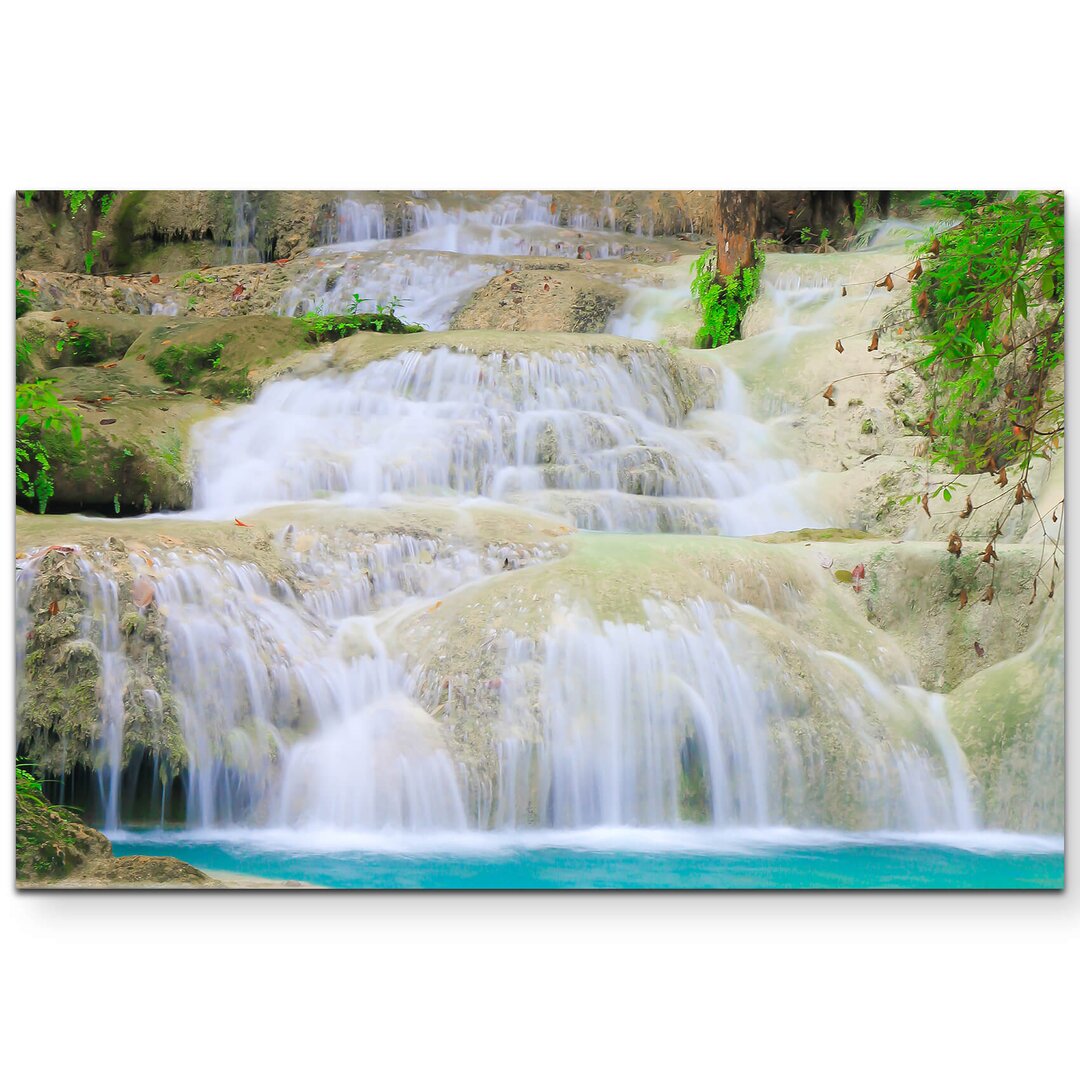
[{"x": 565, "y": 95}]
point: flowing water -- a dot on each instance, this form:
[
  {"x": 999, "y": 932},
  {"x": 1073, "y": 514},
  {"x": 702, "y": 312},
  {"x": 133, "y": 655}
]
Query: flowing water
[{"x": 709, "y": 740}]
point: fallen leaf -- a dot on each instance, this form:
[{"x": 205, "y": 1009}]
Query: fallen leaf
[
  {"x": 956, "y": 543},
  {"x": 963, "y": 599},
  {"x": 989, "y": 554},
  {"x": 839, "y": 346},
  {"x": 980, "y": 652},
  {"x": 72, "y": 323},
  {"x": 142, "y": 592},
  {"x": 437, "y": 604},
  {"x": 242, "y": 523},
  {"x": 238, "y": 292},
  {"x": 110, "y": 364},
  {"x": 843, "y": 290},
  {"x": 155, "y": 280},
  {"x": 547, "y": 287},
  {"x": 857, "y": 576},
  {"x": 280, "y": 262},
  {"x": 828, "y": 395},
  {"x": 58, "y": 318},
  {"x": 916, "y": 271},
  {"x": 108, "y": 420},
  {"x": 1018, "y": 496},
  {"x": 844, "y": 576},
  {"x": 106, "y": 397},
  {"x": 935, "y": 247},
  {"x": 988, "y": 596},
  {"x": 873, "y": 343},
  {"x": 1002, "y": 477},
  {"x": 966, "y": 512},
  {"x": 54, "y": 607}
]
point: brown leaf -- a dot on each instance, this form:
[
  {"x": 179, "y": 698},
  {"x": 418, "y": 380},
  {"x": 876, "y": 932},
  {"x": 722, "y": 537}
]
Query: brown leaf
[
  {"x": 58, "y": 318},
  {"x": 843, "y": 290},
  {"x": 1050, "y": 594},
  {"x": 888, "y": 283},
  {"x": 105, "y": 397},
  {"x": 72, "y": 323},
  {"x": 554, "y": 207},
  {"x": 988, "y": 596},
  {"x": 839, "y": 346},
  {"x": 142, "y": 592},
  {"x": 873, "y": 343},
  {"x": 280, "y": 262},
  {"x": 1009, "y": 390},
  {"x": 54, "y": 607},
  {"x": 955, "y": 543},
  {"x": 966, "y": 512},
  {"x": 828, "y": 395},
  {"x": 857, "y": 575},
  {"x": 916, "y": 271},
  {"x": 155, "y": 280},
  {"x": 1053, "y": 515},
  {"x": 1018, "y": 496},
  {"x": 980, "y": 652},
  {"x": 238, "y": 292},
  {"x": 244, "y": 524},
  {"x": 1002, "y": 477},
  {"x": 110, "y": 364},
  {"x": 935, "y": 247},
  {"x": 924, "y": 303},
  {"x": 926, "y": 503},
  {"x": 108, "y": 420},
  {"x": 963, "y": 599},
  {"x": 989, "y": 553},
  {"x": 547, "y": 287}
]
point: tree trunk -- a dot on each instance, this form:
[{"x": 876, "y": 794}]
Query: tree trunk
[{"x": 738, "y": 225}]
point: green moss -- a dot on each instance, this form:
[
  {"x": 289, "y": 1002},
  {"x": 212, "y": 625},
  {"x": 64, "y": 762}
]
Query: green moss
[
  {"x": 867, "y": 427},
  {"x": 182, "y": 365},
  {"x": 322, "y": 328}
]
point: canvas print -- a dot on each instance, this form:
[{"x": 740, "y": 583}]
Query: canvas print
[{"x": 539, "y": 540}]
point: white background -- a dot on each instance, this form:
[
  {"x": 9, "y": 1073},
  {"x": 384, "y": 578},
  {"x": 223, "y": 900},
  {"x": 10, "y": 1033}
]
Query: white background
[{"x": 552, "y": 95}]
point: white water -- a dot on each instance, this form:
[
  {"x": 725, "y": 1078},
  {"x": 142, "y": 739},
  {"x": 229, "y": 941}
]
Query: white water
[{"x": 296, "y": 715}]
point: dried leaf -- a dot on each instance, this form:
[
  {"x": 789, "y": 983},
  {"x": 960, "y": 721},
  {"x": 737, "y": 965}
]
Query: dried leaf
[
  {"x": 956, "y": 543},
  {"x": 54, "y": 607},
  {"x": 244, "y": 524},
  {"x": 839, "y": 346},
  {"x": 924, "y": 303},
  {"x": 935, "y": 247},
  {"x": 71, "y": 323},
  {"x": 110, "y": 364},
  {"x": 988, "y": 596},
  {"x": 916, "y": 271},
  {"x": 857, "y": 575},
  {"x": 843, "y": 290},
  {"x": 1053, "y": 515},
  {"x": 980, "y": 652},
  {"x": 888, "y": 283},
  {"x": 926, "y": 503},
  {"x": 142, "y": 592},
  {"x": 109, "y": 420},
  {"x": 547, "y": 287},
  {"x": 873, "y": 343},
  {"x": 1002, "y": 477},
  {"x": 963, "y": 599},
  {"x": 155, "y": 280},
  {"x": 238, "y": 292},
  {"x": 105, "y": 397},
  {"x": 989, "y": 553},
  {"x": 966, "y": 512},
  {"x": 1018, "y": 495},
  {"x": 828, "y": 395}
]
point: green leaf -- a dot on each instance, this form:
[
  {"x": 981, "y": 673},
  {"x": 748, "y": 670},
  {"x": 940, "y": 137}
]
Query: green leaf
[
  {"x": 1048, "y": 285},
  {"x": 844, "y": 576},
  {"x": 1020, "y": 301}
]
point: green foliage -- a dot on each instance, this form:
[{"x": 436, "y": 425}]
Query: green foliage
[
  {"x": 92, "y": 254},
  {"x": 75, "y": 200},
  {"x": 28, "y": 197},
  {"x": 38, "y": 410},
  {"x": 860, "y": 209},
  {"x": 994, "y": 307},
  {"x": 723, "y": 303},
  {"x": 190, "y": 276},
  {"x": 383, "y": 320},
  {"x": 24, "y": 298},
  {"x": 86, "y": 346},
  {"x": 184, "y": 364}
]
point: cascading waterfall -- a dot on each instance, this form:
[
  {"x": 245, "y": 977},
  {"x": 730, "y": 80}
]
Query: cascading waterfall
[{"x": 297, "y": 712}]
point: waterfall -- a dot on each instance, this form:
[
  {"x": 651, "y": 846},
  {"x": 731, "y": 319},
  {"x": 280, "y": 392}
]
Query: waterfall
[{"x": 310, "y": 681}]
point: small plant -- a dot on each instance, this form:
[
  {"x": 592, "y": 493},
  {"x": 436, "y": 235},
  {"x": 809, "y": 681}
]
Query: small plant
[
  {"x": 804, "y": 235},
  {"x": 322, "y": 328},
  {"x": 24, "y": 298},
  {"x": 183, "y": 364},
  {"x": 38, "y": 410},
  {"x": 723, "y": 303},
  {"x": 195, "y": 276},
  {"x": 90, "y": 257}
]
